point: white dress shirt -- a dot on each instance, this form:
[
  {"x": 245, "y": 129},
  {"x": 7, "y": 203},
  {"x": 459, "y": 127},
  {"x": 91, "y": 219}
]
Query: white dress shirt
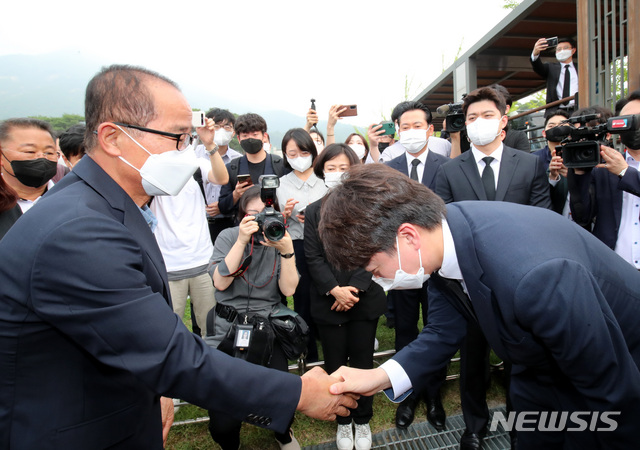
[
  {"x": 495, "y": 164},
  {"x": 628, "y": 243}
]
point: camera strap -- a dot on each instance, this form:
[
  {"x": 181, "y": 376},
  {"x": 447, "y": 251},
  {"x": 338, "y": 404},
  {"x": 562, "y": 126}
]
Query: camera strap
[
  {"x": 273, "y": 270},
  {"x": 244, "y": 265}
]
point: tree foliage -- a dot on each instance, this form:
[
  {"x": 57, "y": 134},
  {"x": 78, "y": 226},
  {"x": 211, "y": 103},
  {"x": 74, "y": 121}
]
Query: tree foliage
[{"x": 60, "y": 124}]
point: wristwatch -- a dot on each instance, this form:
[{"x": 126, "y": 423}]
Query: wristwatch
[
  {"x": 213, "y": 150},
  {"x": 287, "y": 255}
]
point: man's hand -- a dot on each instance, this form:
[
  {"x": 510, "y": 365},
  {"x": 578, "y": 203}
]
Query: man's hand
[
  {"x": 556, "y": 167},
  {"x": 612, "y": 160},
  {"x": 359, "y": 381},
  {"x": 540, "y": 46},
  {"x": 317, "y": 402},
  {"x": 374, "y": 133},
  {"x": 166, "y": 407},
  {"x": 207, "y": 133},
  {"x": 240, "y": 190},
  {"x": 212, "y": 209}
]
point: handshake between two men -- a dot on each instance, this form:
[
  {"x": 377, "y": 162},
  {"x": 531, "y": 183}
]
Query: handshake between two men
[{"x": 326, "y": 396}]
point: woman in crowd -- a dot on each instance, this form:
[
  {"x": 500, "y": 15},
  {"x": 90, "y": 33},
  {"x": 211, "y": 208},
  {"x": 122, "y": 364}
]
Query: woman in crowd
[
  {"x": 344, "y": 305},
  {"x": 249, "y": 273},
  {"x": 317, "y": 139},
  {"x": 298, "y": 189},
  {"x": 359, "y": 145}
]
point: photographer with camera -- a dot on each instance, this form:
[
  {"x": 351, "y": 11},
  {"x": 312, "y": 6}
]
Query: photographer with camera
[
  {"x": 606, "y": 199},
  {"x": 561, "y": 76},
  {"x": 249, "y": 271}
]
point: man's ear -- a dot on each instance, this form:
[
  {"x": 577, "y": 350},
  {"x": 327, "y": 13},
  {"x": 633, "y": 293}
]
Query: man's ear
[
  {"x": 108, "y": 138},
  {"x": 411, "y": 233}
]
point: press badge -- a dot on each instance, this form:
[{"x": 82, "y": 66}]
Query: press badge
[{"x": 243, "y": 336}]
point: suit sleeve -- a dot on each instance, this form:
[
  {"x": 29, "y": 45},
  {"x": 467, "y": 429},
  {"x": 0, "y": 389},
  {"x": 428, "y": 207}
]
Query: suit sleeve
[
  {"x": 563, "y": 306},
  {"x": 225, "y": 200},
  {"x": 107, "y": 307},
  {"x": 540, "y": 191},
  {"x": 539, "y": 67},
  {"x": 436, "y": 344},
  {"x": 443, "y": 189},
  {"x": 630, "y": 182}
]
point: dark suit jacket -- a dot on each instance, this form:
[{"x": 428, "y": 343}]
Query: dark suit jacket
[
  {"x": 434, "y": 161},
  {"x": 522, "y": 179},
  {"x": 550, "y": 297},
  {"x": 325, "y": 277},
  {"x": 597, "y": 196},
  {"x": 89, "y": 340},
  {"x": 550, "y": 72}
]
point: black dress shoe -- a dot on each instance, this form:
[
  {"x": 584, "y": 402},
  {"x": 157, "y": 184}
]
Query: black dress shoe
[
  {"x": 406, "y": 411},
  {"x": 470, "y": 441},
  {"x": 435, "y": 412}
]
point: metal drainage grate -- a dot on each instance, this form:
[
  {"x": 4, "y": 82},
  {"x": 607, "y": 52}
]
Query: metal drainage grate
[{"x": 423, "y": 436}]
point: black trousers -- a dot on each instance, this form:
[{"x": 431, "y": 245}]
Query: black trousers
[
  {"x": 475, "y": 379},
  {"x": 302, "y": 298},
  {"x": 350, "y": 343},
  {"x": 406, "y": 305},
  {"x": 225, "y": 430}
]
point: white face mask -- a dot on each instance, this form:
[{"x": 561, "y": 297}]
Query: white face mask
[
  {"x": 402, "y": 279},
  {"x": 301, "y": 163},
  {"x": 165, "y": 173},
  {"x": 563, "y": 55},
  {"x": 359, "y": 149},
  {"x": 223, "y": 137},
  {"x": 333, "y": 179},
  {"x": 266, "y": 147},
  {"x": 483, "y": 131},
  {"x": 413, "y": 140}
]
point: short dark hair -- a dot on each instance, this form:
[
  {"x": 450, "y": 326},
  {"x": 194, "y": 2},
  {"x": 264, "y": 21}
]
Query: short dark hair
[
  {"x": 558, "y": 112},
  {"x": 485, "y": 93},
  {"x": 594, "y": 109},
  {"x": 7, "y": 125},
  {"x": 303, "y": 140},
  {"x": 635, "y": 95},
  {"x": 72, "y": 141},
  {"x": 571, "y": 42},
  {"x": 249, "y": 194},
  {"x": 403, "y": 107},
  {"x": 119, "y": 93},
  {"x": 247, "y": 123},
  {"x": 330, "y": 152},
  {"x": 500, "y": 89},
  {"x": 361, "y": 216},
  {"x": 220, "y": 115}
]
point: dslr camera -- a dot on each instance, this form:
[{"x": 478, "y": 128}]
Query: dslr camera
[
  {"x": 580, "y": 146},
  {"x": 270, "y": 221},
  {"x": 454, "y": 116}
]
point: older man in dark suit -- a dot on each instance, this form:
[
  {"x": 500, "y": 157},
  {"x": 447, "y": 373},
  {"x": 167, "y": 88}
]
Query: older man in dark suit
[
  {"x": 82, "y": 269},
  {"x": 549, "y": 297},
  {"x": 489, "y": 171}
]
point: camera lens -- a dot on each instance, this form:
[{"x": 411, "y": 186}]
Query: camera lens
[{"x": 273, "y": 229}]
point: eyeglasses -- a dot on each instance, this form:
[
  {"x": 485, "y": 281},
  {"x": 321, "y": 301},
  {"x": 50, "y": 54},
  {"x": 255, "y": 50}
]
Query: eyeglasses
[
  {"x": 183, "y": 140},
  {"x": 226, "y": 127}
]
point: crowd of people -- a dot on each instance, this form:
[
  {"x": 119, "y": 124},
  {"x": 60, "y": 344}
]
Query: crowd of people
[{"x": 162, "y": 235}]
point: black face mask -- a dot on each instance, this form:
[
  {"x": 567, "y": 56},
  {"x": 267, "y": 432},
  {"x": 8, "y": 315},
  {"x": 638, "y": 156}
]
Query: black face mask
[
  {"x": 251, "y": 145},
  {"x": 33, "y": 172},
  {"x": 631, "y": 139},
  {"x": 382, "y": 146}
]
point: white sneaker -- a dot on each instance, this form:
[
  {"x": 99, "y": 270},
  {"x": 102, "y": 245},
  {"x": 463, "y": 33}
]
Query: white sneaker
[
  {"x": 363, "y": 437},
  {"x": 344, "y": 437}
]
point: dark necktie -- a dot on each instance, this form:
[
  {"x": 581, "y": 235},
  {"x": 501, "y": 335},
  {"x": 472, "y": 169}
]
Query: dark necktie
[
  {"x": 414, "y": 169},
  {"x": 566, "y": 89},
  {"x": 454, "y": 288},
  {"x": 488, "y": 180}
]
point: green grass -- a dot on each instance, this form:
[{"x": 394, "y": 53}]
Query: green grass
[{"x": 310, "y": 431}]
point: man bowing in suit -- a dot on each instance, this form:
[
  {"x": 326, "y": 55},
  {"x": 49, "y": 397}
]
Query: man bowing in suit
[
  {"x": 420, "y": 164},
  {"x": 548, "y": 295},
  {"x": 490, "y": 171},
  {"x": 82, "y": 269}
]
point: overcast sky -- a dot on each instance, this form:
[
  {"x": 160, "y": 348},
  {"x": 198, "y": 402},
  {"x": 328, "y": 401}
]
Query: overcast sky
[{"x": 272, "y": 54}]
